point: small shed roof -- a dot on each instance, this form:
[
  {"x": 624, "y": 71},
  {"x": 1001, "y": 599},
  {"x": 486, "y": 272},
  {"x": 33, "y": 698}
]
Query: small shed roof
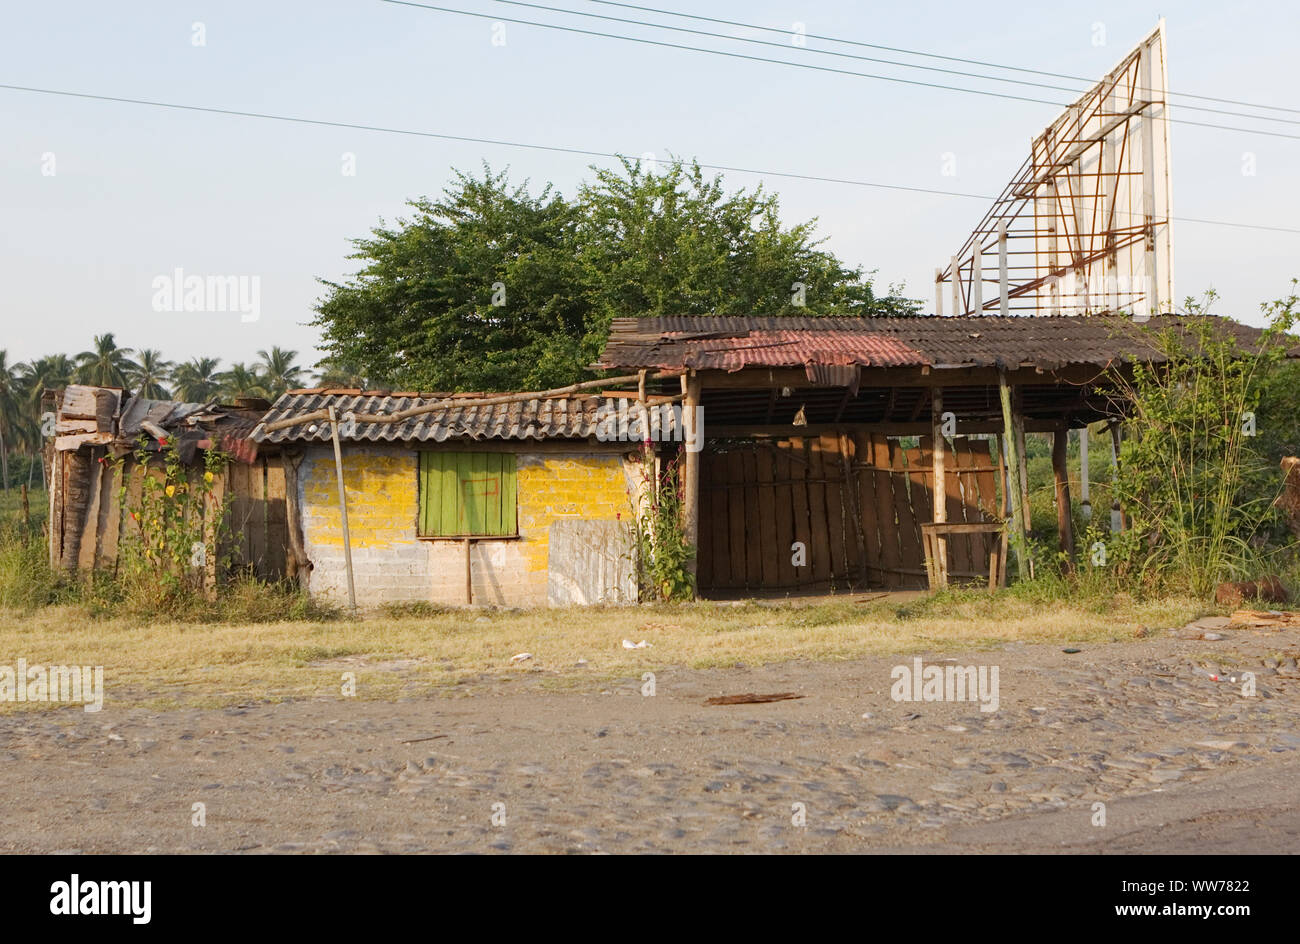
[
  {"x": 557, "y": 417},
  {"x": 821, "y": 344}
]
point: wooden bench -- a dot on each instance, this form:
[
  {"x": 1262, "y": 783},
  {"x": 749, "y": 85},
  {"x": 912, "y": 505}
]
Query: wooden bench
[{"x": 936, "y": 564}]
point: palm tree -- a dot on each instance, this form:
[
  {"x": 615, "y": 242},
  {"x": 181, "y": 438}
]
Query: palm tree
[
  {"x": 105, "y": 366},
  {"x": 243, "y": 381},
  {"x": 11, "y": 413},
  {"x": 279, "y": 372},
  {"x": 148, "y": 372},
  {"x": 196, "y": 381},
  {"x": 51, "y": 372}
]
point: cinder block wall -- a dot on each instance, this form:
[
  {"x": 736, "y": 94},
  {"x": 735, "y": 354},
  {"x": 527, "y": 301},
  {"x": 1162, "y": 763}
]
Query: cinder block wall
[{"x": 391, "y": 564}]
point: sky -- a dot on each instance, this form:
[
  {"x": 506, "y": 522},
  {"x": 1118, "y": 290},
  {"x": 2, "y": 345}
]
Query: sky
[{"x": 100, "y": 200}]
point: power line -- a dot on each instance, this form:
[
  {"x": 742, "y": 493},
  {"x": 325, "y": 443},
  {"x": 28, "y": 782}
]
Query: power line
[
  {"x": 559, "y": 149},
  {"x": 932, "y": 55},
  {"x": 802, "y": 65},
  {"x": 847, "y": 55}
]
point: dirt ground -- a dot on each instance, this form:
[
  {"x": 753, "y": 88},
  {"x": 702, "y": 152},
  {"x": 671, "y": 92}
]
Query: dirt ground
[{"x": 1124, "y": 747}]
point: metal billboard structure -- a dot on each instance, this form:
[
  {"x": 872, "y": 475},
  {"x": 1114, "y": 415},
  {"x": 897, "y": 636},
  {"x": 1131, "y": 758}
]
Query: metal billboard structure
[{"x": 1084, "y": 226}]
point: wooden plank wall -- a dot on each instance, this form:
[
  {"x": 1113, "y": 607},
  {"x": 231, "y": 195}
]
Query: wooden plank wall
[
  {"x": 257, "y": 531},
  {"x": 759, "y": 497},
  {"x": 88, "y": 524}
]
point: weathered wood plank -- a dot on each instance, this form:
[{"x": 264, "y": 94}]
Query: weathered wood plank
[{"x": 797, "y": 461}]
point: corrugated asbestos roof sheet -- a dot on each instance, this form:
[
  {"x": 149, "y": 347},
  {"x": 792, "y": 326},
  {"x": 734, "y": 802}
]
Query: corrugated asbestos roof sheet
[
  {"x": 560, "y": 417},
  {"x": 732, "y": 343}
]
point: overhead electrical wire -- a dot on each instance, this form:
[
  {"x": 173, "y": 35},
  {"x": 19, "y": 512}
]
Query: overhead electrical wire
[
  {"x": 801, "y": 65},
  {"x": 560, "y": 149},
  {"x": 932, "y": 55},
  {"x": 847, "y": 55}
]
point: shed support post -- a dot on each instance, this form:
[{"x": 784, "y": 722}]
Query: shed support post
[
  {"x": 1061, "y": 473},
  {"x": 691, "y": 485},
  {"x": 940, "y": 487},
  {"x": 1085, "y": 503},
  {"x": 343, "y": 507},
  {"x": 1116, "y": 514},
  {"x": 1017, "y": 525}
]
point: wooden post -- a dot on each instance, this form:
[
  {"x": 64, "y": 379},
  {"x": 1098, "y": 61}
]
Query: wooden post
[
  {"x": 469, "y": 575},
  {"x": 1061, "y": 472},
  {"x": 855, "y": 508},
  {"x": 938, "y": 291},
  {"x": 940, "y": 486},
  {"x": 977, "y": 279},
  {"x": 1116, "y": 514},
  {"x": 1013, "y": 467},
  {"x": 1018, "y": 418},
  {"x": 343, "y": 507},
  {"x": 691, "y": 485},
  {"x": 1085, "y": 503},
  {"x": 1000, "y": 441},
  {"x": 27, "y": 513}
]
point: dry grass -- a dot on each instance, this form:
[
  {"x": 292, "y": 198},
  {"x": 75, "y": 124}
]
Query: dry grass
[{"x": 166, "y": 663}]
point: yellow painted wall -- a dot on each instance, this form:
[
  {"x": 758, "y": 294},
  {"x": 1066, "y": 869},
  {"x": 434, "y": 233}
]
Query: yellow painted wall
[
  {"x": 592, "y": 487},
  {"x": 383, "y": 498},
  {"x": 391, "y": 563}
]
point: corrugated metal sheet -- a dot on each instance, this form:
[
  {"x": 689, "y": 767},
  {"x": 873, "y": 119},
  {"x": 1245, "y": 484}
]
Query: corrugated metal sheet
[
  {"x": 560, "y": 417},
  {"x": 168, "y": 414},
  {"x": 733, "y": 343}
]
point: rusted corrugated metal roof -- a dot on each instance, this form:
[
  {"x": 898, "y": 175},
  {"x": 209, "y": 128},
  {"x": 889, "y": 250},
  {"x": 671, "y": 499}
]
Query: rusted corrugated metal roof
[
  {"x": 733, "y": 343},
  {"x": 558, "y": 417}
]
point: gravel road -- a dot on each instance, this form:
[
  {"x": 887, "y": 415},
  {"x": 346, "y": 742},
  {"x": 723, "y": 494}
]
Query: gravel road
[{"x": 1124, "y": 747}]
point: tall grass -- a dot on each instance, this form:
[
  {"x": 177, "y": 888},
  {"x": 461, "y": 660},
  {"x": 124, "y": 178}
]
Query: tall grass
[{"x": 1192, "y": 477}]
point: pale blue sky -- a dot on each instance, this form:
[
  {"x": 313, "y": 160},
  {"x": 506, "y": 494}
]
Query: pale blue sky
[{"x": 140, "y": 191}]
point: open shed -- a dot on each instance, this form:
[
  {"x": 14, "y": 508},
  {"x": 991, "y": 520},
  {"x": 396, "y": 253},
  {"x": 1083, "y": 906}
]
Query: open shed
[{"x": 832, "y": 445}]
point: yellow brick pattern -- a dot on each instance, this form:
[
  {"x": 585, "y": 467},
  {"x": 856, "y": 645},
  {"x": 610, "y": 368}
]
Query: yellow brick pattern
[
  {"x": 383, "y": 499},
  {"x": 590, "y": 487}
]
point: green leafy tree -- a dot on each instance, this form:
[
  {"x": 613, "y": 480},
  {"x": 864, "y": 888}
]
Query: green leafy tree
[
  {"x": 491, "y": 287},
  {"x": 148, "y": 372},
  {"x": 196, "y": 380},
  {"x": 342, "y": 375},
  {"x": 469, "y": 293},
  {"x": 106, "y": 364}
]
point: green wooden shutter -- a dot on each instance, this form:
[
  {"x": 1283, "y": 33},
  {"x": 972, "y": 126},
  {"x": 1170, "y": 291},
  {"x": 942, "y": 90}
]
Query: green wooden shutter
[{"x": 467, "y": 494}]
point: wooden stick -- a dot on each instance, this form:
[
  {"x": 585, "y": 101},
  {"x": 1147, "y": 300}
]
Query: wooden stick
[
  {"x": 691, "y": 485},
  {"x": 469, "y": 574},
  {"x": 343, "y": 507},
  {"x": 1061, "y": 473},
  {"x": 1013, "y": 475},
  {"x": 940, "y": 492}
]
